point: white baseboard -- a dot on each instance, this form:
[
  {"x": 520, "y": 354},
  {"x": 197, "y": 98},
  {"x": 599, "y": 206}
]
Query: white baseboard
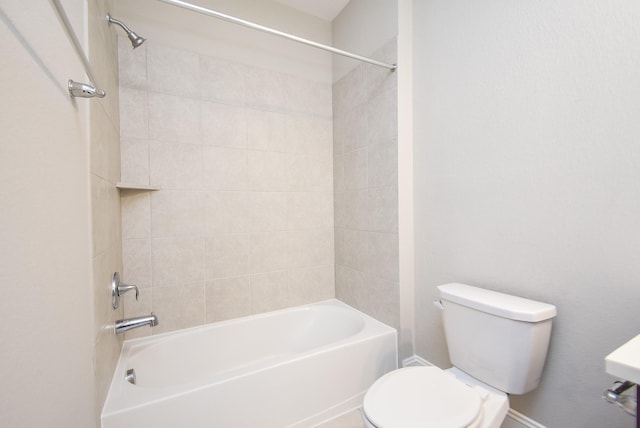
[
  {"x": 516, "y": 419},
  {"x": 519, "y": 420}
]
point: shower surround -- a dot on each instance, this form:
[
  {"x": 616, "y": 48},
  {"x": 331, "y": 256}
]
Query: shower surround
[
  {"x": 243, "y": 156},
  {"x": 366, "y": 188}
]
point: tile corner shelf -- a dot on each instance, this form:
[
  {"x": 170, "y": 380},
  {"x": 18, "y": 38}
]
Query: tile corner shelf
[{"x": 131, "y": 186}]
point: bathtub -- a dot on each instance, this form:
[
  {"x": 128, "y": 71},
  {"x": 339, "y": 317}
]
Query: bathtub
[{"x": 296, "y": 367}]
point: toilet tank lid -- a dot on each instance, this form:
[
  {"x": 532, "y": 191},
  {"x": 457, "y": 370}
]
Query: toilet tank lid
[{"x": 499, "y": 304}]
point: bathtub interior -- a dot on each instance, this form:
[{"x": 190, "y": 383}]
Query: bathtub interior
[
  {"x": 309, "y": 351},
  {"x": 271, "y": 339}
]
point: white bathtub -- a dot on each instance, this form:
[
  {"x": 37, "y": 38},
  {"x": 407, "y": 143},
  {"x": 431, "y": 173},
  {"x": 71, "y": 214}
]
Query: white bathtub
[{"x": 296, "y": 367}]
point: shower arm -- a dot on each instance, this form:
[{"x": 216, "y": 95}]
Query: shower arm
[{"x": 113, "y": 20}]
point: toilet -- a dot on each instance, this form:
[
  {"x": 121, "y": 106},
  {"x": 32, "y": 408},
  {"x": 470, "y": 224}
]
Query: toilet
[{"x": 497, "y": 344}]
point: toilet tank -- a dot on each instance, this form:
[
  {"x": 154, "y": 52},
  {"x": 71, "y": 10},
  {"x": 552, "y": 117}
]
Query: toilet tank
[{"x": 499, "y": 339}]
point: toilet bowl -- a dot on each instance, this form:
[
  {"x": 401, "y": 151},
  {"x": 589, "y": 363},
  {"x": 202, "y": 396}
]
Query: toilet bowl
[
  {"x": 497, "y": 344},
  {"x": 419, "y": 397}
]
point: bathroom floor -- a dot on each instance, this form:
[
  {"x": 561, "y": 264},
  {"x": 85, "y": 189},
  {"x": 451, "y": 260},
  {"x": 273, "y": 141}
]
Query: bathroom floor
[{"x": 352, "y": 419}]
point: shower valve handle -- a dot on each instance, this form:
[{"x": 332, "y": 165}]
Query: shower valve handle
[
  {"x": 123, "y": 288},
  {"x": 118, "y": 289}
]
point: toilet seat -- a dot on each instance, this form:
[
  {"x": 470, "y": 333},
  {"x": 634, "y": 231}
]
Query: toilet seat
[{"x": 418, "y": 397}]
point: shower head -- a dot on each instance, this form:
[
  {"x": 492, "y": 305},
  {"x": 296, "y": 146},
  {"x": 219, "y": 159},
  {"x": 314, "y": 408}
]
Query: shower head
[{"x": 135, "y": 39}]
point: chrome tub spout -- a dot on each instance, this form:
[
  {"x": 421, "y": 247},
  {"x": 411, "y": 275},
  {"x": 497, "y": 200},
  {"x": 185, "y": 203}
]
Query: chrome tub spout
[{"x": 131, "y": 323}]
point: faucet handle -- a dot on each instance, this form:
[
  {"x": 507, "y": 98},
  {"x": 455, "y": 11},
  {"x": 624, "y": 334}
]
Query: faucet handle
[
  {"x": 123, "y": 288},
  {"x": 117, "y": 289}
]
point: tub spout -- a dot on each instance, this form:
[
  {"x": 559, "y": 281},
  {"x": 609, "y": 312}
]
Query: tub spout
[{"x": 130, "y": 323}]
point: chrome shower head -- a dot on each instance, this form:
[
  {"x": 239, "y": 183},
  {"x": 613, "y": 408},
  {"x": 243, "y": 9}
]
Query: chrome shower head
[{"x": 135, "y": 39}]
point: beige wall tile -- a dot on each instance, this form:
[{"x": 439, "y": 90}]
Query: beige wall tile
[
  {"x": 107, "y": 350},
  {"x": 380, "y": 79},
  {"x": 310, "y": 172},
  {"x": 339, "y": 134},
  {"x": 103, "y": 49},
  {"x": 105, "y": 152},
  {"x": 383, "y": 290},
  {"x": 309, "y": 210},
  {"x": 383, "y": 209},
  {"x": 268, "y": 211},
  {"x": 173, "y": 118},
  {"x": 355, "y": 252},
  {"x": 224, "y": 125},
  {"x": 136, "y": 262},
  {"x": 226, "y": 255},
  {"x": 382, "y": 123},
  {"x": 132, "y": 65},
  {"x": 222, "y": 80},
  {"x": 356, "y": 169},
  {"x": 383, "y": 255},
  {"x": 228, "y": 298},
  {"x": 338, "y": 247},
  {"x": 227, "y": 212},
  {"x": 366, "y": 190},
  {"x": 307, "y": 96},
  {"x": 172, "y": 71},
  {"x": 270, "y": 251},
  {"x": 134, "y": 160},
  {"x": 264, "y": 88},
  {"x": 351, "y": 286},
  {"x": 176, "y": 261},
  {"x": 177, "y": 213},
  {"x": 310, "y": 248},
  {"x": 383, "y": 163},
  {"x": 176, "y": 165},
  {"x": 104, "y": 129},
  {"x": 178, "y": 307},
  {"x": 246, "y": 179},
  {"x": 338, "y": 173},
  {"x": 136, "y": 214},
  {"x": 105, "y": 207},
  {"x": 225, "y": 168},
  {"x": 311, "y": 284},
  {"x": 350, "y": 91},
  {"x": 269, "y": 292},
  {"x": 108, "y": 79},
  {"x": 353, "y": 128},
  {"x": 267, "y": 171},
  {"x": 308, "y": 135},
  {"x": 266, "y": 130},
  {"x": 339, "y": 210},
  {"x": 134, "y": 113},
  {"x": 356, "y": 206}
]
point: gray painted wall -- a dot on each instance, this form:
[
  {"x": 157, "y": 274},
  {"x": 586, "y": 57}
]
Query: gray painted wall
[{"x": 527, "y": 179}]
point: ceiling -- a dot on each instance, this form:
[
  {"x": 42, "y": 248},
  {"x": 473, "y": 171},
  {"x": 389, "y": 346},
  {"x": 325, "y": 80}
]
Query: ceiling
[{"x": 325, "y": 9}]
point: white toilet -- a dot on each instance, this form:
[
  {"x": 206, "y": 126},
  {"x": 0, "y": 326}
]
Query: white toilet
[{"x": 498, "y": 345}]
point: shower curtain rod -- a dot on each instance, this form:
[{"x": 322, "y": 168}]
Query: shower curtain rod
[{"x": 249, "y": 24}]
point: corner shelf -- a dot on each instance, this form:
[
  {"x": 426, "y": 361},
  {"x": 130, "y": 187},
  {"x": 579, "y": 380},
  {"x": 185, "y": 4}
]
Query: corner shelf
[{"x": 131, "y": 186}]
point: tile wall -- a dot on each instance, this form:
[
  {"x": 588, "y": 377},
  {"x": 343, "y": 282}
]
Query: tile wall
[
  {"x": 105, "y": 198},
  {"x": 243, "y": 222},
  {"x": 366, "y": 188}
]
